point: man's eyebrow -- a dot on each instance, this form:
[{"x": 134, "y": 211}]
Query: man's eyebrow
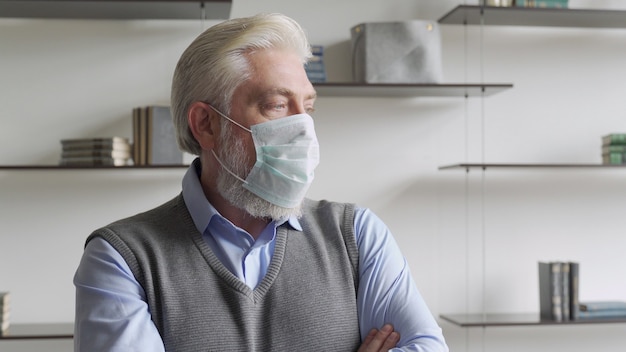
[{"x": 284, "y": 92}]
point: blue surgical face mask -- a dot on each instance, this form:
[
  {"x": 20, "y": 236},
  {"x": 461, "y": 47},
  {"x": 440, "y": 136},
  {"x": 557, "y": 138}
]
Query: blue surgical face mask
[{"x": 287, "y": 153}]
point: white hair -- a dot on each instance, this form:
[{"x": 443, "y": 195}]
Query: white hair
[{"x": 215, "y": 64}]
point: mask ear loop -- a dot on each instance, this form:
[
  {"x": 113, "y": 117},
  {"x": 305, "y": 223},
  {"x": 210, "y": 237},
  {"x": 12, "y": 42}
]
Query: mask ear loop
[
  {"x": 225, "y": 168},
  {"x": 213, "y": 151},
  {"x": 229, "y": 119}
]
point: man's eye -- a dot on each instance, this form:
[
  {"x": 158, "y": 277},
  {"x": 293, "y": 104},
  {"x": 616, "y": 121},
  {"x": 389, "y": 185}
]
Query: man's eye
[{"x": 276, "y": 107}]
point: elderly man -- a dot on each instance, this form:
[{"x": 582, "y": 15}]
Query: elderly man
[{"x": 241, "y": 260}]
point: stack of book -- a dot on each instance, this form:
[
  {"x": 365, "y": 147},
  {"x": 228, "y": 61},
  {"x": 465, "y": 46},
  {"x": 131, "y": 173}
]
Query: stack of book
[
  {"x": 602, "y": 310},
  {"x": 559, "y": 296},
  {"x": 111, "y": 151},
  {"x": 614, "y": 149},
  {"x": 315, "y": 69},
  {"x": 4, "y": 312},
  {"x": 558, "y": 290},
  {"x": 562, "y": 4},
  {"x": 154, "y": 137}
]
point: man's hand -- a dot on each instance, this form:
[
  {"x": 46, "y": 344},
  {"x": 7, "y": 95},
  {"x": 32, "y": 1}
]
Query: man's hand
[{"x": 380, "y": 340}]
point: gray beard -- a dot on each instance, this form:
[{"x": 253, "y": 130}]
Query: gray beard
[{"x": 233, "y": 155}]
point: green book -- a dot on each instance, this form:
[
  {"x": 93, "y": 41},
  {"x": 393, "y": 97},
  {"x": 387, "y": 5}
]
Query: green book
[
  {"x": 542, "y": 3},
  {"x": 606, "y": 149},
  {"x": 613, "y": 158},
  {"x": 614, "y": 139}
]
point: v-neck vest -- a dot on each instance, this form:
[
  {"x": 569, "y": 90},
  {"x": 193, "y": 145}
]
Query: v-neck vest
[{"x": 305, "y": 302}]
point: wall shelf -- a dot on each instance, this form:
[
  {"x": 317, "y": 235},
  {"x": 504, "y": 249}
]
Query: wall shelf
[
  {"x": 116, "y": 9},
  {"x": 408, "y": 90},
  {"x": 38, "y": 331},
  {"x": 542, "y": 17},
  {"x": 529, "y": 166},
  {"x": 103, "y": 167}
]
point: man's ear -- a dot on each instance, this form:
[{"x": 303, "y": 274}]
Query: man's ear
[{"x": 204, "y": 124}]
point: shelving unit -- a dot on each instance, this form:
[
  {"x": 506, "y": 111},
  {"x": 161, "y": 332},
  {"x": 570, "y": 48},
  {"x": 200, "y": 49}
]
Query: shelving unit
[
  {"x": 522, "y": 16},
  {"x": 116, "y": 9},
  {"x": 329, "y": 89},
  {"x": 111, "y": 9},
  {"x": 96, "y": 10},
  {"x": 537, "y": 17}
]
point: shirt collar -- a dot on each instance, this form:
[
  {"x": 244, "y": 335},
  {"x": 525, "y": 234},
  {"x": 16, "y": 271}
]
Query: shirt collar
[{"x": 201, "y": 210}]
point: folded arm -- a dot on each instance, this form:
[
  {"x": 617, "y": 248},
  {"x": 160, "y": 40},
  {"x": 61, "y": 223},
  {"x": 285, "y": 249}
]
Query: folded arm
[
  {"x": 111, "y": 310},
  {"x": 387, "y": 292}
]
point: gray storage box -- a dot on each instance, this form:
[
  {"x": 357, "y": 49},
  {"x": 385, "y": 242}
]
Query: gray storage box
[{"x": 396, "y": 52}]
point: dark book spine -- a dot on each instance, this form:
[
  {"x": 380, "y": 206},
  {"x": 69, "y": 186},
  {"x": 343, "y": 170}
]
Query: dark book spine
[
  {"x": 574, "y": 283},
  {"x": 550, "y": 291}
]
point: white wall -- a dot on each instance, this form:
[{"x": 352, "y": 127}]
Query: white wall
[{"x": 64, "y": 79}]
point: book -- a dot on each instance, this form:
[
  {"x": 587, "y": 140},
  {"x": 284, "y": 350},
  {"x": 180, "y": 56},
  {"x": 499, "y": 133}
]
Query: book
[
  {"x": 5, "y": 298},
  {"x": 143, "y": 135},
  {"x": 574, "y": 284},
  {"x": 137, "y": 135},
  {"x": 118, "y": 143},
  {"x": 602, "y": 314},
  {"x": 606, "y": 149},
  {"x": 93, "y": 161},
  {"x": 614, "y": 139},
  {"x": 565, "y": 290},
  {"x": 161, "y": 145},
  {"x": 613, "y": 158},
  {"x": 598, "y": 306},
  {"x": 97, "y": 153},
  {"x": 154, "y": 137},
  {"x": 542, "y": 3},
  {"x": 110, "y": 151},
  {"x": 5, "y": 313},
  {"x": 5, "y": 302},
  {"x": 550, "y": 291},
  {"x": 317, "y": 50},
  {"x": 315, "y": 68},
  {"x": 614, "y": 149}
]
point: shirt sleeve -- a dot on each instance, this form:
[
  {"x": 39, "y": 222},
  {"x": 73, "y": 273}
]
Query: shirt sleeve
[
  {"x": 387, "y": 292},
  {"x": 111, "y": 309}
]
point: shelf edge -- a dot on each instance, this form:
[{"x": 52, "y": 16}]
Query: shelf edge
[
  {"x": 103, "y": 167},
  {"x": 517, "y": 319},
  {"x": 534, "y": 17},
  {"x": 467, "y": 166},
  {"x": 116, "y": 10},
  {"x": 386, "y": 90}
]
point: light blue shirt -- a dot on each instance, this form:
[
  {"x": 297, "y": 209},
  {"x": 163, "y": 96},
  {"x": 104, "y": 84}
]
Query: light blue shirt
[{"x": 112, "y": 313}]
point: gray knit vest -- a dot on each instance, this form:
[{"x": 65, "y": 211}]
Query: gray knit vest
[{"x": 306, "y": 302}]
